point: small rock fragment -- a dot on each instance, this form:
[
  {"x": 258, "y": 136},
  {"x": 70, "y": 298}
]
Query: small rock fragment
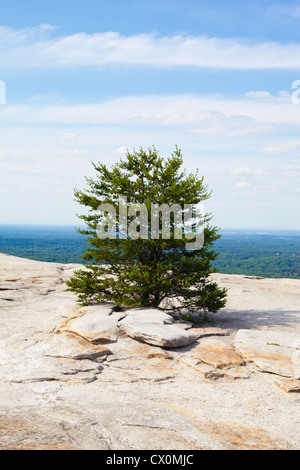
[{"x": 288, "y": 385}]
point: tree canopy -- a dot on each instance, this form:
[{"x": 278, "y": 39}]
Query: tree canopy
[{"x": 145, "y": 266}]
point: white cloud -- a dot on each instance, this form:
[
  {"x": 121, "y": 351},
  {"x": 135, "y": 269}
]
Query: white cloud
[
  {"x": 68, "y": 135},
  {"x": 285, "y": 9},
  {"x": 292, "y": 148},
  {"x": 261, "y": 204},
  {"x": 239, "y": 171},
  {"x": 258, "y": 94},
  {"x": 264, "y": 189},
  {"x": 247, "y": 171},
  {"x": 75, "y": 152},
  {"x": 296, "y": 12},
  {"x": 210, "y": 115},
  {"x": 36, "y": 161},
  {"x": 120, "y": 151},
  {"x": 242, "y": 185},
  {"x": 41, "y": 47}
]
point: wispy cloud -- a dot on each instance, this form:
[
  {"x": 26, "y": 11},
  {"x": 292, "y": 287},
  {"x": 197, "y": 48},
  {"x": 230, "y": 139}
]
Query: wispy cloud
[
  {"x": 258, "y": 94},
  {"x": 285, "y": 9},
  {"x": 292, "y": 148},
  {"x": 209, "y": 116},
  {"x": 242, "y": 185},
  {"x": 247, "y": 171},
  {"x": 42, "y": 47}
]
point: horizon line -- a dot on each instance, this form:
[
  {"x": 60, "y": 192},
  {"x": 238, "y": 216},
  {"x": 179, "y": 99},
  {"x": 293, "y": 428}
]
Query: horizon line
[{"x": 35, "y": 224}]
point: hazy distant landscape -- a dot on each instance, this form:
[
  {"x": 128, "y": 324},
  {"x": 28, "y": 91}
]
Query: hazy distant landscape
[{"x": 266, "y": 254}]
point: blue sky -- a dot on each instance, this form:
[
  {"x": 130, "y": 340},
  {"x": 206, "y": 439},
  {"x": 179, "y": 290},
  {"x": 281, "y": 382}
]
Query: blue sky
[{"x": 87, "y": 80}]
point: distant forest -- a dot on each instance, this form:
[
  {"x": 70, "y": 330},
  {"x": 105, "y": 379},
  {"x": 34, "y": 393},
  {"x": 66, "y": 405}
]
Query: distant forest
[{"x": 271, "y": 254}]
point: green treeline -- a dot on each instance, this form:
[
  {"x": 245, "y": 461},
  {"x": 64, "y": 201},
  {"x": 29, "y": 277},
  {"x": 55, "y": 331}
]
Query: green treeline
[
  {"x": 268, "y": 255},
  {"x": 259, "y": 255}
]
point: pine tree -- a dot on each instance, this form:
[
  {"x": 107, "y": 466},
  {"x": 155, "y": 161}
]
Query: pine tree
[{"x": 146, "y": 270}]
